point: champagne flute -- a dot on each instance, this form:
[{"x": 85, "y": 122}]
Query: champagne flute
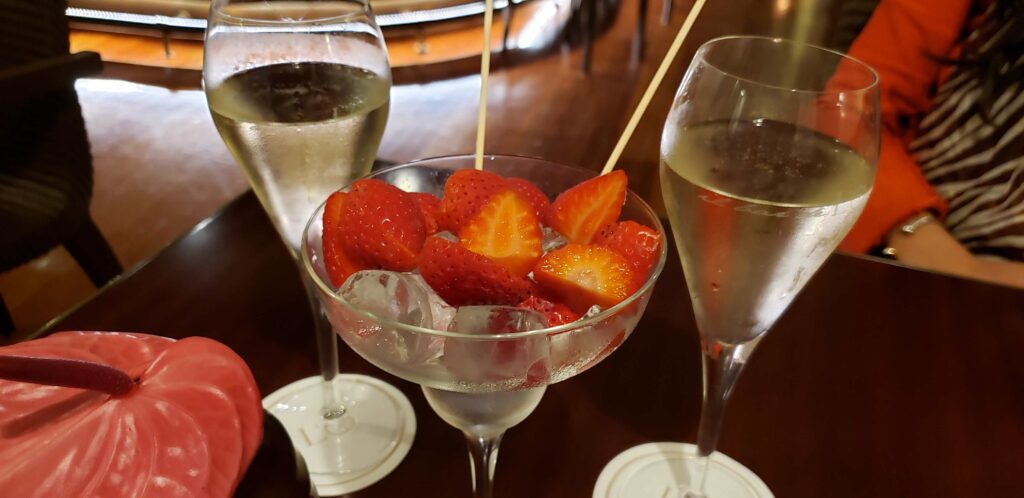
[
  {"x": 768, "y": 156},
  {"x": 299, "y": 91}
]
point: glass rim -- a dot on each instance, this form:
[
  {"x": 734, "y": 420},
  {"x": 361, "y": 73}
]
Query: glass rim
[
  {"x": 558, "y": 329},
  {"x": 217, "y": 9},
  {"x": 873, "y": 84}
]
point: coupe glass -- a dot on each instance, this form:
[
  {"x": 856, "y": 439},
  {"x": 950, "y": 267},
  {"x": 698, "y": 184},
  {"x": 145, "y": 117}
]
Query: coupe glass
[
  {"x": 299, "y": 92},
  {"x": 767, "y": 158},
  {"x": 488, "y": 369}
]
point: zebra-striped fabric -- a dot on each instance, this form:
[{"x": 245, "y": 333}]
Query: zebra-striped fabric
[{"x": 977, "y": 165}]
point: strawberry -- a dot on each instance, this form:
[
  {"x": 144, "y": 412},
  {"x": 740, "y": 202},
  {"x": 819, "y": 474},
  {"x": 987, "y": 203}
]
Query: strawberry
[
  {"x": 430, "y": 206},
  {"x": 582, "y": 276},
  {"x": 339, "y": 265},
  {"x": 639, "y": 244},
  {"x": 381, "y": 226},
  {"x": 531, "y": 193},
  {"x": 582, "y": 211},
  {"x": 465, "y": 192},
  {"x": 557, "y": 313},
  {"x": 462, "y": 277},
  {"x": 507, "y": 231}
]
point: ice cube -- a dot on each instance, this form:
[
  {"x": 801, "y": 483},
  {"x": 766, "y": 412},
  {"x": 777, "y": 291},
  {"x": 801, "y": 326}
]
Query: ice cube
[
  {"x": 516, "y": 363},
  {"x": 396, "y": 297},
  {"x": 441, "y": 312},
  {"x": 576, "y": 350},
  {"x": 552, "y": 240},
  {"x": 388, "y": 295},
  {"x": 450, "y": 237},
  {"x": 592, "y": 312},
  {"x": 490, "y": 320}
]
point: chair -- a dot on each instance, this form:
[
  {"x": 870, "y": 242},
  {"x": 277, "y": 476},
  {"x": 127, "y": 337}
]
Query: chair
[
  {"x": 45, "y": 164},
  {"x": 588, "y": 18}
]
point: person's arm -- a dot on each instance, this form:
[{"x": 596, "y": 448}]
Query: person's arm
[
  {"x": 901, "y": 42},
  {"x": 933, "y": 248}
]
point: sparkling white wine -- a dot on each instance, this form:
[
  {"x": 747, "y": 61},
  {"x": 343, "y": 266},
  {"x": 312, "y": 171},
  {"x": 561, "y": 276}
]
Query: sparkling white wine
[
  {"x": 756, "y": 208},
  {"x": 300, "y": 131}
]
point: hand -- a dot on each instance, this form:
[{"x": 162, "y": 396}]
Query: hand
[{"x": 931, "y": 247}]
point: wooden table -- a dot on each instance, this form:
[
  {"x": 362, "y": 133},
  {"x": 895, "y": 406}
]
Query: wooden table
[{"x": 879, "y": 381}]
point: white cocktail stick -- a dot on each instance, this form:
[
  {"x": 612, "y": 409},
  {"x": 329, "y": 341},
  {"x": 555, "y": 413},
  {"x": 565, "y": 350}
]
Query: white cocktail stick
[{"x": 485, "y": 70}]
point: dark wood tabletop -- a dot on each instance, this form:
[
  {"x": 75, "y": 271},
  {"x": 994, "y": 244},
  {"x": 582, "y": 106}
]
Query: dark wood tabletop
[{"x": 879, "y": 381}]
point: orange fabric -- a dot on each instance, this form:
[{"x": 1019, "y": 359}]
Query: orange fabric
[{"x": 900, "y": 43}]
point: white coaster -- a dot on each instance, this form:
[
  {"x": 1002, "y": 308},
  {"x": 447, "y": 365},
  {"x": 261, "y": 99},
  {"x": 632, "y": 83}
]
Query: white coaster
[
  {"x": 664, "y": 470},
  {"x": 359, "y": 448}
]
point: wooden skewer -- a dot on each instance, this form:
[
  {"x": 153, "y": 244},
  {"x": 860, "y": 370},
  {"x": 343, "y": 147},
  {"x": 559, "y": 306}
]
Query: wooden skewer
[
  {"x": 485, "y": 70},
  {"x": 653, "y": 86}
]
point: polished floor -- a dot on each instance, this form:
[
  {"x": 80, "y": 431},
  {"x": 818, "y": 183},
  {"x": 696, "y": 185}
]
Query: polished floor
[{"x": 160, "y": 167}]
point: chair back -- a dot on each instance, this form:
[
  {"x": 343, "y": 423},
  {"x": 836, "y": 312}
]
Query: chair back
[{"x": 32, "y": 30}]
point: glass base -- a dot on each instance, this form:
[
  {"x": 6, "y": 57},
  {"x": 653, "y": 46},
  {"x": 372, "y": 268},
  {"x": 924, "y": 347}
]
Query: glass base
[
  {"x": 665, "y": 470},
  {"x": 355, "y": 450}
]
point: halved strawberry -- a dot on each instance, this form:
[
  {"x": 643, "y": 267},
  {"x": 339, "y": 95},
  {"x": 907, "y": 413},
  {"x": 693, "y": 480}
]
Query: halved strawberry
[
  {"x": 381, "y": 226},
  {"x": 430, "y": 206},
  {"x": 465, "y": 192},
  {"x": 582, "y": 211},
  {"x": 582, "y": 276},
  {"x": 557, "y": 313},
  {"x": 462, "y": 277},
  {"x": 507, "y": 231},
  {"x": 339, "y": 265},
  {"x": 639, "y": 244},
  {"x": 539, "y": 200}
]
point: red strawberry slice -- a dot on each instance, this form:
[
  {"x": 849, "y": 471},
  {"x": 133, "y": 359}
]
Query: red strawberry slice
[
  {"x": 639, "y": 244},
  {"x": 556, "y": 313},
  {"x": 531, "y": 193},
  {"x": 582, "y": 276},
  {"x": 430, "y": 206},
  {"x": 339, "y": 265},
  {"x": 507, "y": 231},
  {"x": 381, "y": 226},
  {"x": 462, "y": 277},
  {"x": 582, "y": 211},
  {"x": 465, "y": 192}
]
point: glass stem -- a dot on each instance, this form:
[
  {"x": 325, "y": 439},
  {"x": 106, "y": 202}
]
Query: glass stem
[
  {"x": 483, "y": 456},
  {"x": 722, "y": 366},
  {"x": 327, "y": 351}
]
